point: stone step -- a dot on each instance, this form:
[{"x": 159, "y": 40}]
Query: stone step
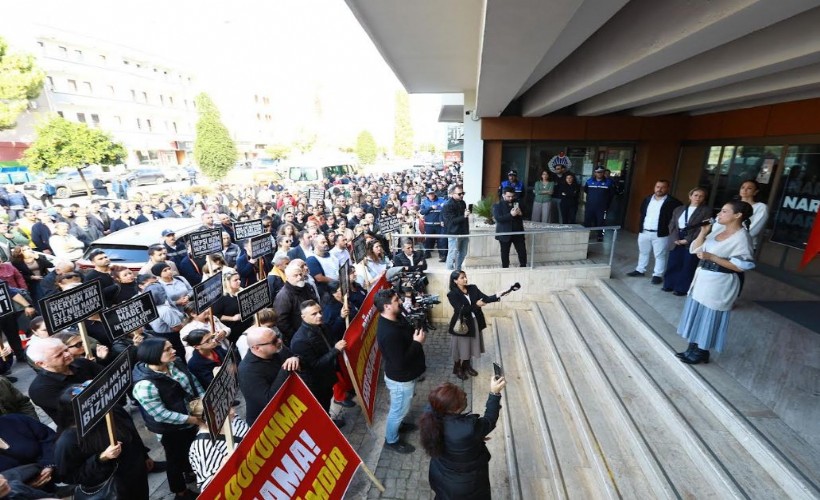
[{"x": 760, "y": 451}]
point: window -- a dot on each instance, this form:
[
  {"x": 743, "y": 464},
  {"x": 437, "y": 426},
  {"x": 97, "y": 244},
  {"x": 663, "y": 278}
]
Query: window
[
  {"x": 133, "y": 95},
  {"x": 139, "y": 124},
  {"x": 148, "y": 124},
  {"x": 81, "y": 117},
  {"x": 145, "y": 97},
  {"x": 63, "y": 51},
  {"x": 50, "y": 82},
  {"x": 78, "y": 54},
  {"x": 170, "y": 100},
  {"x": 111, "y": 91},
  {"x": 72, "y": 85},
  {"x": 87, "y": 87},
  {"x": 175, "y": 126},
  {"x": 161, "y": 99},
  {"x": 95, "y": 120}
]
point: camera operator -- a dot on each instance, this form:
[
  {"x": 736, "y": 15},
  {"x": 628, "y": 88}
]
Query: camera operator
[{"x": 404, "y": 362}]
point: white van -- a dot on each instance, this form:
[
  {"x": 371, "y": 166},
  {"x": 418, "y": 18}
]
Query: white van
[{"x": 318, "y": 171}]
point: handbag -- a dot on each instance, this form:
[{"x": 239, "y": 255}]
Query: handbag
[
  {"x": 460, "y": 327},
  {"x": 105, "y": 491}
]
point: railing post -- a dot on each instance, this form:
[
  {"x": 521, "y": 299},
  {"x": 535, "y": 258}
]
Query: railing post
[
  {"x": 532, "y": 250},
  {"x": 612, "y": 249}
]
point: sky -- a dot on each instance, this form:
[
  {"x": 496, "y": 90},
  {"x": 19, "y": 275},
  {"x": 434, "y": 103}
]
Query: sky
[{"x": 298, "y": 51}]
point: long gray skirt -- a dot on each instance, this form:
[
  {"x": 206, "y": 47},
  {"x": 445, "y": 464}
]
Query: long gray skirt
[{"x": 465, "y": 348}]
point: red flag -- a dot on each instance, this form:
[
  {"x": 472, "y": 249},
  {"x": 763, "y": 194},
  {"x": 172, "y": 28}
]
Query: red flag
[{"x": 813, "y": 245}]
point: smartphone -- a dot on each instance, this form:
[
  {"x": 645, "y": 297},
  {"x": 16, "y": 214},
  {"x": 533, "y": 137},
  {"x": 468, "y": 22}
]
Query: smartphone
[
  {"x": 498, "y": 371},
  {"x": 470, "y": 207}
]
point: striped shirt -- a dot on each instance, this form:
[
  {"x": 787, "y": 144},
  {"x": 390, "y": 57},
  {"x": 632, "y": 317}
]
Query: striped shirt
[
  {"x": 147, "y": 396},
  {"x": 206, "y": 456}
]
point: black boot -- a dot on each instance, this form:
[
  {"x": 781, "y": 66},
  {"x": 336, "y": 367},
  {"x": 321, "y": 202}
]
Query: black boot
[
  {"x": 458, "y": 371},
  {"x": 687, "y": 352},
  {"x": 465, "y": 365},
  {"x": 697, "y": 356}
]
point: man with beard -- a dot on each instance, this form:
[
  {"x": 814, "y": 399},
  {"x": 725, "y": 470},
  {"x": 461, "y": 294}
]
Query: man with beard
[
  {"x": 289, "y": 299},
  {"x": 264, "y": 369},
  {"x": 322, "y": 266},
  {"x": 508, "y": 219}
]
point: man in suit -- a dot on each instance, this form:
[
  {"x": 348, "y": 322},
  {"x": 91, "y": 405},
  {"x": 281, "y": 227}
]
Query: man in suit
[
  {"x": 409, "y": 259},
  {"x": 305, "y": 247},
  {"x": 509, "y": 218},
  {"x": 656, "y": 212}
]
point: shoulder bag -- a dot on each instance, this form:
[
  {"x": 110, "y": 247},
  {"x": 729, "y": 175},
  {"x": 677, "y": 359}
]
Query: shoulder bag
[{"x": 460, "y": 327}]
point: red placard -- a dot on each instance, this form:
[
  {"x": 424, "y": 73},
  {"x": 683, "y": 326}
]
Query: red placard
[
  {"x": 293, "y": 450},
  {"x": 362, "y": 356}
]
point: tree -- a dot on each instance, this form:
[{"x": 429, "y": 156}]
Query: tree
[
  {"x": 61, "y": 143},
  {"x": 214, "y": 150},
  {"x": 366, "y": 148},
  {"x": 428, "y": 147},
  {"x": 278, "y": 151},
  {"x": 403, "y": 130},
  {"x": 305, "y": 141},
  {"x": 20, "y": 81}
]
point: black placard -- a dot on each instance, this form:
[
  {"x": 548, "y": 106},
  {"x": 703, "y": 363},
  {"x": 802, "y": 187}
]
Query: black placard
[
  {"x": 91, "y": 405},
  {"x": 316, "y": 195},
  {"x": 72, "y": 306},
  {"x": 130, "y": 315},
  {"x": 260, "y": 246},
  {"x": 253, "y": 299},
  {"x": 389, "y": 224},
  {"x": 205, "y": 242},
  {"x": 220, "y": 394},
  {"x": 359, "y": 248},
  {"x": 248, "y": 229},
  {"x": 6, "y": 307},
  {"x": 344, "y": 278},
  {"x": 208, "y": 292}
]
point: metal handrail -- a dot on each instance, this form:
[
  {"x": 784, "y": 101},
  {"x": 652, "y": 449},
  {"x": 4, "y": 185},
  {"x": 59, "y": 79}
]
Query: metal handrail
[{"x": 395, "y": 237}]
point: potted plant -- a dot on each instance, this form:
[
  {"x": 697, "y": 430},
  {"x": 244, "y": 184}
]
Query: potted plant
[{"x": 484, "y": 208}]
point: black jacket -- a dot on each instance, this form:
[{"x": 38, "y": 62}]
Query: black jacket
[
  {"x": 419, "y": 263},
  {"x": 403, "y": 357},
  {"x": 287, "y": 305},
  {"x": 454, "y": 220},
  {"x": 259, "y": 379},
  {"x": 462, "y": 471},
  {"x": 173, "y": 395},
  {"x": 460, "y": 303},
  {"x": 505, "y": 222},
  {"x": 318, "y": 358},
  {"x": 669, "y": 204},
  {"x": 203, "y": 368},
  {"x": 46, "y": 388},
  {"x": 43, "y": 263}
]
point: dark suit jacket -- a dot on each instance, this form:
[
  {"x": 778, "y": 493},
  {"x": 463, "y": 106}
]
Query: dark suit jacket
[
  {"x": 297, "y": 253},
  {"x": 460, "y": 303},
  {"x": 505, "y": 222},
  {"x": 700, "y": 214},
  {"x": 665, "y": 216},
  {"x": 401, "y": 260}
]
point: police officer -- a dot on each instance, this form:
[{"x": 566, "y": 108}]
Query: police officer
[
  {"x": 513, "y": 182},
  {"x": 599, "y": 192},
  {"x": 431, "y": 210}
]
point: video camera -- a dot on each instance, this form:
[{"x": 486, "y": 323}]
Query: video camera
[{"x": 416, "y": 304}]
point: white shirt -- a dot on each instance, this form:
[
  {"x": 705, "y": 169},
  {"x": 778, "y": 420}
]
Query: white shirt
[
  {"x": 653, "y": 213},
  {"x": 684, "y": 216},
  {"x": 342, "y": 255}
]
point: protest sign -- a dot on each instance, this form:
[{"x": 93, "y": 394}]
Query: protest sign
[
  {"x": 359, "y": 248},
  {"x": 260, "y": 246},
  {"x": 248, "y": 229},
  {"x": 72, "y": 306},
  {"x": 253, "y": 299},
  {"x": 6, "y": 307},
  {"x": 344, "y": 278},
  {"x": 362, "y": 356},
  {"x": 316, "y": 196},
  {"x": 389, "y": 224},
  {"x": 128, "y": 316},
  {"x": 100, "y": 396},
  {"x": 207, "y": 292},
  {"x": 220, "y": 394},
  {"x": 293, "y": 450},
  {"x": 205, "y": 242}
]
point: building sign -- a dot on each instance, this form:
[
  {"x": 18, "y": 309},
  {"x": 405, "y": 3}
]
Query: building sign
[{"x": 794, "y": 216}]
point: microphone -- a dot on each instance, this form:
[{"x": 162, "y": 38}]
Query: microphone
[{"x": 707, "y": 222}]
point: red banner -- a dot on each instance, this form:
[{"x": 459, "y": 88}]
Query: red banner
[
  {"x": 813, "y": 245},
  {"x": 362, "y": 356},
  {"x": 293, "y": 450}
]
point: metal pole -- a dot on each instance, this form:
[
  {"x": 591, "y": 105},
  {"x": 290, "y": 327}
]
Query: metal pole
[{"x": 612, "y": 249}]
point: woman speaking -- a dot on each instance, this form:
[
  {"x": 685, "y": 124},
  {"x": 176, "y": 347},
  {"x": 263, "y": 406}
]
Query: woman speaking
[{"x": 459, "y": 459}]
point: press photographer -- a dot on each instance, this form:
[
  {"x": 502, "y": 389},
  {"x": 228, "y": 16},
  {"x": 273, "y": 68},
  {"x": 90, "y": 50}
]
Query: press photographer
[{"x": 468, "y": 323}]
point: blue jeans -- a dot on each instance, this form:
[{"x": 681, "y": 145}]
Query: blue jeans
[
  {"x": 401, "y": 396},
  {"x": 456, "y": 252}
]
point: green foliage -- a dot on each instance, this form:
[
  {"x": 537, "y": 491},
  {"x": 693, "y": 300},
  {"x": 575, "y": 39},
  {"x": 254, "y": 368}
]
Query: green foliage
[
  {"x": 61, "y": 143},
  {"x": 428, "y": 147},
  {"x": 306, "y": 141},
  {"x": 278, "y": 151},
  {"x": 20, "y": 81},
  {"x": 484, "y": 208},
  {"x": 214, "y": 150},
  {"x": 403, "y": 130},
  {"x": 366, "y": 148}
]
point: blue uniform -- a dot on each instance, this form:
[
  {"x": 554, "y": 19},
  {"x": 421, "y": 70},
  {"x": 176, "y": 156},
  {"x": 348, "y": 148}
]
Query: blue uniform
[
  {"x": 431, "y": 210},
  {"x": 518, "y": 186},
  {"x": 599, "y": 195}
]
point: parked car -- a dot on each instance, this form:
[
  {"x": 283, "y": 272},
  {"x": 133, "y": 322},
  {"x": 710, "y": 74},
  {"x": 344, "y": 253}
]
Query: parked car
[
  {"x": 145, "y": 175},
  {"x": 129, "y": 247},
  {"x": 175, "y": 174},
  {"x": 68, "y": 183}
]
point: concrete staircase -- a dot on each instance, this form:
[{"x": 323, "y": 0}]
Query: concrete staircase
[{"x": 597, "y": 406}]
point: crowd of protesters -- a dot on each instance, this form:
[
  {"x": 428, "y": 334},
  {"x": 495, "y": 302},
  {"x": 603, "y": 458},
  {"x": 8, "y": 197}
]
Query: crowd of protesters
[{"x": 45, "y": 251}]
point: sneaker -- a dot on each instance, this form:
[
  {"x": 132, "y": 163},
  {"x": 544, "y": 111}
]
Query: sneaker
[
  {"x": 657, "y": 280},
  {"x": 400, "y": 447},
  {"x": 635, "y": 273},
  {"x": 340, "y": 422},
  {"x": 346, "y": 403},
  {"x": 407, "y": 427}
]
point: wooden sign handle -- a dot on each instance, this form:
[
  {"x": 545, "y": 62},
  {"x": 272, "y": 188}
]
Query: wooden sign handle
[
  {"x": 211, "y": 319},
  {"x": 2, "y": 347},
  {"x": 347, "y": 319},
  {"x": 112, "y": 434},
  {"x": 86, "y": 346},
  {"x": 227, "y": 430}
]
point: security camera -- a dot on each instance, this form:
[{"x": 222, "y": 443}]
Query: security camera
[{"x": 467, "y": 112}]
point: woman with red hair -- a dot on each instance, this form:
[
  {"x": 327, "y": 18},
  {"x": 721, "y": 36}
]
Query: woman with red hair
[{"x": 459, "y": 459}]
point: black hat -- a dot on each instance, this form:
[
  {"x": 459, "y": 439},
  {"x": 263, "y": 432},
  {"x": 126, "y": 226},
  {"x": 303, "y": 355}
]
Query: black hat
[
  {"x": 156, "y": 269},
  {"x": 600, "y": 169}
]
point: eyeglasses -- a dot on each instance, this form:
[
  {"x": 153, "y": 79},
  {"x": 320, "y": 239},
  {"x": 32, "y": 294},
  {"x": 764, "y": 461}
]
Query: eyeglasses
[
  {"x": 75, "y": 346},
  {"x": 461, "y": 193}
]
